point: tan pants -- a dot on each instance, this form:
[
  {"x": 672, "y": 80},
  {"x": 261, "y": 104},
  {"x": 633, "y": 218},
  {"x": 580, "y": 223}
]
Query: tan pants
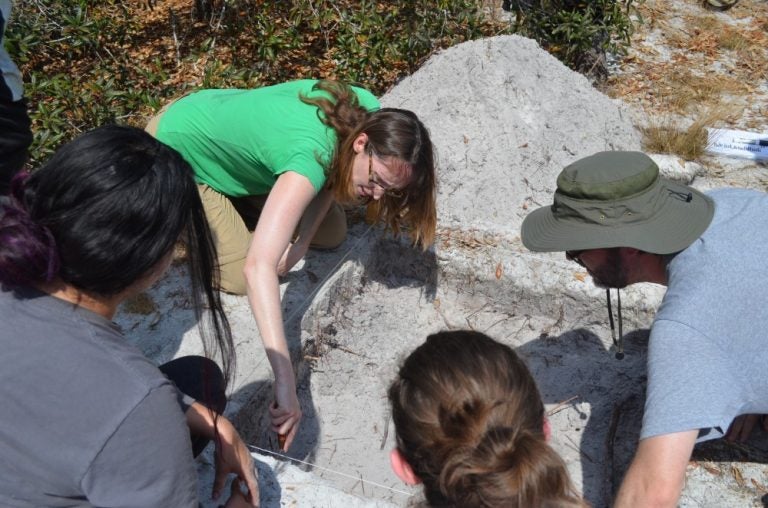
[
  {"x": 151, "y": 127},
  {"x": 232, "y": 221}
]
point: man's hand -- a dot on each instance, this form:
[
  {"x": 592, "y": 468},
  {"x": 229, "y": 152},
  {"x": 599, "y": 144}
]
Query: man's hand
[
  {"x": 742, "y": 427},
  {"x": 657, "y": 473}
]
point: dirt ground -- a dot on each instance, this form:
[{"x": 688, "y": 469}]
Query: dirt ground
[
  {"x": 686, "y": 60},
  {"x": 691, "y": 66}
]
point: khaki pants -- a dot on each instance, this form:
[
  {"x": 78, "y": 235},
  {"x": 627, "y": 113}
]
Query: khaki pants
[
  {"x": 151, "y": 127},
  {"x": 232, "y": 221}
]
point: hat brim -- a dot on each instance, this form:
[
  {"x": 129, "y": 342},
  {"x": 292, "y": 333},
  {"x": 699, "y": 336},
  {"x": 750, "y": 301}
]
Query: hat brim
[{"x": 675, "y": 226}]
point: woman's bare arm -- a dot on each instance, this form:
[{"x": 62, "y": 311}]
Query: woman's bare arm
[{"x": 287, "y": 201}]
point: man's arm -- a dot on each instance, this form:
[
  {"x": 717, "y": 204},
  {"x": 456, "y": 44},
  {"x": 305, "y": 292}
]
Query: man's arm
[
  {"x": 657, "y": 473},
  {"x": 742, "y": 426}
]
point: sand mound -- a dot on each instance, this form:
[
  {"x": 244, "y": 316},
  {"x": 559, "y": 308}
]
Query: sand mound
[{"x": 506, "y": 117}]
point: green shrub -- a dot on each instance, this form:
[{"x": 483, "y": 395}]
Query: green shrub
[
  {"x": 90, "y": 62},
  {"x": 578, "y": 32},
  {"x": 77, "y": 73}
]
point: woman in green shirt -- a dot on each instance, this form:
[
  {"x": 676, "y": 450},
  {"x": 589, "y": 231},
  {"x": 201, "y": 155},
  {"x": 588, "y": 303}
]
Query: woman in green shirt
[{"x": 274, "y": 165}]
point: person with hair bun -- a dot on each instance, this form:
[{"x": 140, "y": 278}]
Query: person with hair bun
[
  {"x": 87, "y": 419},
  {"x": 471, "y": 428},
  {"x": 275, "y": 165}
]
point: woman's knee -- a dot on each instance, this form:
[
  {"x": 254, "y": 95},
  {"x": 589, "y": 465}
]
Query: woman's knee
[
  {"x": 231, "y": 277},
  {"x": 332, "y": 231},
  {"x": 200, "y": 378}
]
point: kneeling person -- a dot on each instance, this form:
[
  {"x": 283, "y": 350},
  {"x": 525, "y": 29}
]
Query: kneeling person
[{"x": 613, "y": 214}]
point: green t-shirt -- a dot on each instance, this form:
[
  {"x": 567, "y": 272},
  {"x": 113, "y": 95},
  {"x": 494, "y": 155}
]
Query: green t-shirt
[{"x": 239, "y": 141}]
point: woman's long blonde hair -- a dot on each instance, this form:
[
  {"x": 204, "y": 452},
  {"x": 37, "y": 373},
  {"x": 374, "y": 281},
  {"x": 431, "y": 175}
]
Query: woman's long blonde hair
[
  {"x": 395, "y": 133},
  {"x": 469, "y": 421}
]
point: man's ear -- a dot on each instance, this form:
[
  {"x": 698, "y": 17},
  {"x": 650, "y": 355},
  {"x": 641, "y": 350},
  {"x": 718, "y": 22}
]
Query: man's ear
[{"x": 402, "y": 469}]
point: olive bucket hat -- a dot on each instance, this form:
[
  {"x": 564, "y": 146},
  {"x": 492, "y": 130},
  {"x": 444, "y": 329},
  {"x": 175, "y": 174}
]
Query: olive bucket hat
[{"x": 618, "y": 199}]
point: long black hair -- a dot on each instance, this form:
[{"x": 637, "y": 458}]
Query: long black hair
[{"x": 102, "y": 213}]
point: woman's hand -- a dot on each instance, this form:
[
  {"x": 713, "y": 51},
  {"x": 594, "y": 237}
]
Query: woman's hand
[
  {"x": 285, "y": 412},
  {"x": 236, "y": 497},
  {"x": 292, "y": 255},
  {"x": 232, "y": 456}
]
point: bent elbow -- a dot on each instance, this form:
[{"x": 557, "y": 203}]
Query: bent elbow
[
  {"x": 250, "y": 271},
  {"x": 664, "y": 496},
  {"x": 257, "y": 272},
  {"x": 649, "y": 491}
]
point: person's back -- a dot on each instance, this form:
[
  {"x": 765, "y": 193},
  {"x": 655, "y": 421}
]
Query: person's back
[
  {"x": 76, "y": 395},
  {"x": 713, "y": 315},
  {"x": 248, "y": 159}
]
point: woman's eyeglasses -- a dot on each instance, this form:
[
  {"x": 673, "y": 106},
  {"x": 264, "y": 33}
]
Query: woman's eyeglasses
[{"x": 374, "y": 181}]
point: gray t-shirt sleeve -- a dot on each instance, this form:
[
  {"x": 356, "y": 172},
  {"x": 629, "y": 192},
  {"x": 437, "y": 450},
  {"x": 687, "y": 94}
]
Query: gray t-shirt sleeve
[
  {"x": 690, "y": 384},
  {"x": 148, "y": 461}
]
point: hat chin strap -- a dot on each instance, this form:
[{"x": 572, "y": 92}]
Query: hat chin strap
[{"x": 620, "y": 343}]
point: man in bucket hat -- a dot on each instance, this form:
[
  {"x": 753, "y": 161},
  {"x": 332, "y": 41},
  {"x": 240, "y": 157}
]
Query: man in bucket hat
[{"x": 613, "y": 214}]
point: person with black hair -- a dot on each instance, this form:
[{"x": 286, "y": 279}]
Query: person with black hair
[{"x": 87, "y": 419}]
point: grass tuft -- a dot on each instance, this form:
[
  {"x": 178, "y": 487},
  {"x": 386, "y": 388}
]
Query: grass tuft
[{"x": 667, "y": 136}]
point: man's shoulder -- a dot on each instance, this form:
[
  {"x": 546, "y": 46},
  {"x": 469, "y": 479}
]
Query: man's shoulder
[
  {"x": 738, "y": 212},
  {"x": 734, "y": 193},
  {"x": 729, "y": 198}
]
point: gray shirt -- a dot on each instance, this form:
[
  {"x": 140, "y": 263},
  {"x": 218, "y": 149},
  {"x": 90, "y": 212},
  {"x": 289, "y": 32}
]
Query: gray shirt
[
  {"x": 708, "y": 349},
  {"x": 86, "y": 419}
]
